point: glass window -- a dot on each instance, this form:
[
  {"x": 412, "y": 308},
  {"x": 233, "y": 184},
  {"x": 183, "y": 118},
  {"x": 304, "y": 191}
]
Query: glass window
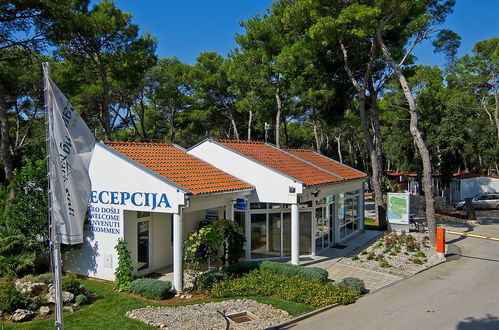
[
  {"x": 258, "y": 235},
  {"x": 306, "y": 204},
  {"x": 305, "y": 232},
  {"x": 258, "y": 206},
  {"x": 142, "y": 214}
]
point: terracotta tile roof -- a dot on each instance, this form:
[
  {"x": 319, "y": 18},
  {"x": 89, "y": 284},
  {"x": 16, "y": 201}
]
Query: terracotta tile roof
[
  {"x": 327, "y": 163},
  {"x": 281, "y": 161},
  {"x": 179, "y": 167}
]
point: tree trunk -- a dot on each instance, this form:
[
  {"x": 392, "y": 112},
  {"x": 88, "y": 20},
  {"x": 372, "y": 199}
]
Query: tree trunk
[
  {"x": 338, "y": 143},
  {"x": 375, "y": 163},
  {"x": 317, "y": 140},
  {"x": 249, "y": 124},
  {"x": 105, "y": 103},
  {"x": 8, "y": 164},
  {"x": 233, "y": 121},
  {"x": 172, "y": 126},
  {"x": 496, "y": 110},
  {"x": 418, "y": 140},
  {"x": 278, "y": 114}
]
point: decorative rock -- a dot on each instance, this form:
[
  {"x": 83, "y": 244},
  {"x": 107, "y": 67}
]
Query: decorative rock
[
  {"x": 44, "y": 310},
  {"x": 68, "y": 309},
  {"x": 21, "y": 315},
  {"x": 66, "y": 296},
  {"x": 29, "y": 287}
]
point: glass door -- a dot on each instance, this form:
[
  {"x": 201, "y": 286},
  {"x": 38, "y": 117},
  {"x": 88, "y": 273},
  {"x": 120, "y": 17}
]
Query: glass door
[
  {"x": 142, "y": 245},
  {"x": 332, "y": 220}
]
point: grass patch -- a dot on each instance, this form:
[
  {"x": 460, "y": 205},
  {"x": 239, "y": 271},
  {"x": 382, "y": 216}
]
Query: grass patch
[
  {"x": 370, "y": 224},
  {"x": 109, "y": 308}
]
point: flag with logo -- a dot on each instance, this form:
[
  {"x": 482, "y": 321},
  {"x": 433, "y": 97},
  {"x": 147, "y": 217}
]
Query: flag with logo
[{"x": 70, "y": 147}]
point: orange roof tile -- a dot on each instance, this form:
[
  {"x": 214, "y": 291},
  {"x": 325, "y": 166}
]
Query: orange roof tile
[
  {"x": 327, "y": 163},
  {"x": 281, "y": 161},
  {"x": 176, "y": 165}
]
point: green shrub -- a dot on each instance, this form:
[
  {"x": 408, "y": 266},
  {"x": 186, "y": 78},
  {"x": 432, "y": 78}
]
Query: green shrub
[
  {"x": 291, "y": 288},
  {"x": 310, "y": 273},
  {"x": 420, "y": 254},
  {"x": 81, "y": 299},
  {"x": 151, "y": 288},
  {"x": 384, "y": 264},
  {"x": 44, "y": 278},
  {"x": 417, "y": 261},
  {"x": 356, "y": 257},
  {"x": 242, "y": 268},
  {"x": 72, "y": 284},
  {"x": 353, "y": 284},
  {"x": 10, "y": 298},
  {"x": 123, "y": 274},
  {"x": 364, "y": 252},
  {"x": 205, "y": 281},
  {"x": 371, "y": 256}
]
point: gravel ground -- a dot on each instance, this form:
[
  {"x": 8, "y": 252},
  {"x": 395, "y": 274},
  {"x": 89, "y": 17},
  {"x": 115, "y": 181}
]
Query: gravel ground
[
  {"x": 205, "y": 316},
  {"x": 400, "y": 264}
]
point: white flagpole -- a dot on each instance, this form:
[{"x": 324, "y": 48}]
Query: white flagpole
[{"x": 55, "y": 251}]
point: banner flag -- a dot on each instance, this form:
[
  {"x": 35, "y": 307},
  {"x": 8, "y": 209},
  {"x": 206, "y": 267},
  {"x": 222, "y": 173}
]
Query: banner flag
[{"x": 70, "y": 148}]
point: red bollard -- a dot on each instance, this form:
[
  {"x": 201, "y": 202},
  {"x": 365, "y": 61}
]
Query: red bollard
[{"x": 441, "y": 243}]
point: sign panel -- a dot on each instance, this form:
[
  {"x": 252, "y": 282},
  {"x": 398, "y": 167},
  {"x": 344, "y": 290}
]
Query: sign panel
[
  {"x": 241, "y": 204},
  {"x": 398, "y": 208}
]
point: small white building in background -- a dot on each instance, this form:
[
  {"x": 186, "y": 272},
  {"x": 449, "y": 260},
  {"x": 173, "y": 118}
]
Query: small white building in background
[
  {"x": 290, "y": 203},
  {"x": 469, "y": 185}
]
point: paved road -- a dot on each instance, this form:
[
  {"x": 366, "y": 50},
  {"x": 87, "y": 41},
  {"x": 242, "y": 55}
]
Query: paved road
[{"x": 460, "y": 294}]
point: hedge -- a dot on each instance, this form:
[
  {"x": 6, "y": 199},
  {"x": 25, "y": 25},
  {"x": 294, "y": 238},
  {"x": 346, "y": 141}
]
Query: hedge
[
  {"x": 311, "y": 273},
  {"x": 242, "y": 268},
  {"x": 292, "y": 288},
  {"x": 206, "y": 280},
  {"x": 151, "y": 288}
]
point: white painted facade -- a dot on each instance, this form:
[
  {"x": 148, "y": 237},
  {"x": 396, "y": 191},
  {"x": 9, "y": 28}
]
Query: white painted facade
[
  {"x": 272, "y": 186},
  {"x": 127, "y": 196}
]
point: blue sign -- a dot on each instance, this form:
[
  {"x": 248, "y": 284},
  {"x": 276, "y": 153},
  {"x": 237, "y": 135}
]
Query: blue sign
[{"x": 241, "y": 204}]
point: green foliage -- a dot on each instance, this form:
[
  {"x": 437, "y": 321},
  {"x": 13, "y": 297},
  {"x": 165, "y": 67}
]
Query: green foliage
[
  {"x": 292, "y": 288},
  {"x": 310, "y": 273},
  {"x": 81, "y": 299},
  {"x": 151, "y": 288},
  {"x": 123, "y": 274},
  {"x": 10, "y": 298},
  {"x": 417, "y": 261},
  {"x": 205, "y": 281},
  {"x": 72, "y": 284},
  {"x": 17, "y": 253},
  {"x": 206, "y": 242},
  {"x": 420, "y": 254},
  {"x": 241, "y": 268},
  {"x": 384, "y": 264},
  {"x": 355, "y": 257},
  {"x": 353, "y": 284}
]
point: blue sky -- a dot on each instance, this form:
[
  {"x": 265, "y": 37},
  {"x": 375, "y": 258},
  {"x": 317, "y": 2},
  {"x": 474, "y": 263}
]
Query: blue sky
[{"x": 186, "y": 28}]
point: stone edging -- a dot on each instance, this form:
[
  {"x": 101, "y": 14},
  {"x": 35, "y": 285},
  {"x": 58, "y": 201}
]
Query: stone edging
[{"x": 448, "y": 218}]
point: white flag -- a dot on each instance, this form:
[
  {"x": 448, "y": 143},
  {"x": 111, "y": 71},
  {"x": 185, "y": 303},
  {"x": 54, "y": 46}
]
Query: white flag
[{"x": 70, "y": 151}]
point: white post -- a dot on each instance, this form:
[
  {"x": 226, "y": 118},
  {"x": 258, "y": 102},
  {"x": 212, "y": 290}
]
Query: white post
[
  {"x": 295, "y": 234},
  {"x": 178, "y": 270},
  {"x": 229, "y": 210}
]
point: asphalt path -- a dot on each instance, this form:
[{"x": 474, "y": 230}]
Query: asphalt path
[{"x": 462, "y": 293}]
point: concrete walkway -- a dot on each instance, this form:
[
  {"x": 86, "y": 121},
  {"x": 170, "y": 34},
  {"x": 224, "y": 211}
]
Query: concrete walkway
[{"x": 328, "y": 259}]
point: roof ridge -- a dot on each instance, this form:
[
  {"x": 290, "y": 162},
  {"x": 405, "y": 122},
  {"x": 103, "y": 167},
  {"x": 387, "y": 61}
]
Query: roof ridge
[
  {"x": 239, "y": 141},
  {"x": 158, "y": 144}
]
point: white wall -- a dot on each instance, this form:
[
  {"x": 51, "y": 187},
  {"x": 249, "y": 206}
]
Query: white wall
[
  {"x": 270, "y": 186},
  {"x": 115, "y": 179},
  {"x": 474, "y": 186}
]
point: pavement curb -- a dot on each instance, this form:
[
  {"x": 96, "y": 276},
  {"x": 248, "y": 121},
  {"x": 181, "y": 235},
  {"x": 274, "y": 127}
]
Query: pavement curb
[{"x": 302, "y": 317}]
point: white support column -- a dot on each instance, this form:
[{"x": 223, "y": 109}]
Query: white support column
[
  {"x": 229, "y": 210},
  {"x": 178, "y": 269},
  {"x": 247, "y": 226},
  {"x": 295, "y": 234}
]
